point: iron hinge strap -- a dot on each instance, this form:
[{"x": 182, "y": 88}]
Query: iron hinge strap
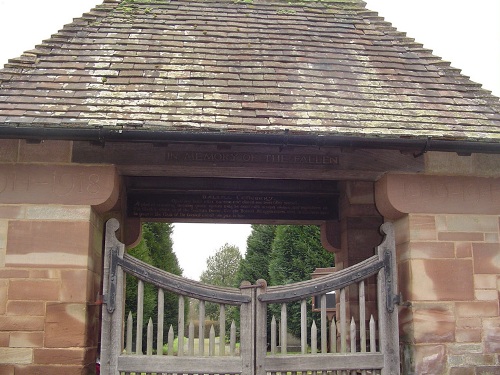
[{"x": 392, "y": 299}]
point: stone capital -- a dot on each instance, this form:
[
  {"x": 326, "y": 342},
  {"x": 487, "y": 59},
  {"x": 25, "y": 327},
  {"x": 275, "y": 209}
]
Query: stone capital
[
  {"x": 68, "y": 184},
  {"x": 400, "y": 194}
]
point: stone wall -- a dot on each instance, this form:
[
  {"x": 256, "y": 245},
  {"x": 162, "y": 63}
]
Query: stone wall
[
  {"x": 448, "y": 254},
  {"x": 51, "y": 259},
  {"x": 449, "y": 270},
  {"x": 51, "y": 239}
]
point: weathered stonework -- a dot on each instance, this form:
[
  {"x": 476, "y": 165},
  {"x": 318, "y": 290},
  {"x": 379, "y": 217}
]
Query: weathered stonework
[
  {"x": 449, "y": 279},
  {"x": 51, "y": 257}
]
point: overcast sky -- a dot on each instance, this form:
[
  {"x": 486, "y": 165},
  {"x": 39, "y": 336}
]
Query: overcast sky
[{"x": 463, "y": 32}]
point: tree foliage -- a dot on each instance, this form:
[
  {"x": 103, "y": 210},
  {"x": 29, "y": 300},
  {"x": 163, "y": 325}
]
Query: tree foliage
[
  {"x": 222, "y": 267},
  {"x": 296, "y": 253},
  {"x": 255, "y": 265},
  {"x": 155, "y": 248}
]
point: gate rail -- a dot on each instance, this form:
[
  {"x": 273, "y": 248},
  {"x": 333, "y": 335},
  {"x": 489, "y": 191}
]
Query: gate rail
[{"x": 253, "y": 301}]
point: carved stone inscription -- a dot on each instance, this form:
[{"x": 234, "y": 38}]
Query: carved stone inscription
[
  {"x": 232, "y": 206},
  {"x": 399, "y": 194},
  {"x": 250, "y": 157},
  {"x": 64, "y": 184}
]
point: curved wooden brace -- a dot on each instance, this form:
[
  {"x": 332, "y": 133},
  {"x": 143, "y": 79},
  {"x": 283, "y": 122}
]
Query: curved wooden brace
[{"x": 180, "y": 285}]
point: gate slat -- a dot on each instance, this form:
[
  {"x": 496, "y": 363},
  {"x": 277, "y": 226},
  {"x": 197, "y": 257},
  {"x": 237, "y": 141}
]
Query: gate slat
[
  {"x": 140, "y": 318},
  {"x": 333, "y": 336},
  {"x": 149, "y": 338},
  {"x": 343, "y": 322},
  {"x": 191, "y": 339},
  {"x": 303, "y": 326},
  {"x": 222, "y": 330},
  {"x": 283, "y": 329},
  {"x": 128, "y": 349},
  {"x": 324, "y": 345},
  {"x": 161, "y": 319},
  {"x": 273, "y": 335},
  {"x": 201, "y": 329},
  {"x": 171, "y": 338},
  {"x": 180, "y": 327}
]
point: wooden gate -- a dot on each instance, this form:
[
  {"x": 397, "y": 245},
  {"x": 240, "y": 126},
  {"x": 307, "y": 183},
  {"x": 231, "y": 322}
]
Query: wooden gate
[{"x": 360, "y": 344}]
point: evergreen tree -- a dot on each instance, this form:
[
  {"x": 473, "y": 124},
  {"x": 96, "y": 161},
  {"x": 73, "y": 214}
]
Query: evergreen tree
[
  {"x": 296, "y": 253},
  {"x": 255, "y": 265},
  {"x": 155, "y": 248}
]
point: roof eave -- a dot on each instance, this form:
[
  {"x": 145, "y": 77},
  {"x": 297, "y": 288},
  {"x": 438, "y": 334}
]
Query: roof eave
[{"x": 418, "y": 146}]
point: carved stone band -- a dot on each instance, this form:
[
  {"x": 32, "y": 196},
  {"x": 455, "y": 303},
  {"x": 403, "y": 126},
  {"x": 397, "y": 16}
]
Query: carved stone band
[
  {"x": 399, "y": 194},
  {"x": 59, "y": 184}
]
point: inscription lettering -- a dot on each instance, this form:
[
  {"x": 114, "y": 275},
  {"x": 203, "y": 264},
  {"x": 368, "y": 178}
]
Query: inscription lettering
[
  {"x": 233, "y": 206},
  {"x": 55, "y": 184},
  {"x": 246, "y": 157}
]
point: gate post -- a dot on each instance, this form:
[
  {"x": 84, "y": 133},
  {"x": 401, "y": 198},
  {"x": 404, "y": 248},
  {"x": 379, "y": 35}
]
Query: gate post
[
  {"x": 260, "y": 329},
  {"x": 387, "y": 299},
  {"x": 247, "y": 324},
  {"x": 111, "y": 331}
]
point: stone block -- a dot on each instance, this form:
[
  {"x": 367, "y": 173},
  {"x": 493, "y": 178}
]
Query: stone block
[
  {"x": 66, "y": 325},
  {"x": 45, "y": 274},
  {"x": 21, "y": 323},
  {"x": 430, "y": 250},
  {"x": 430, "y": 359},
  {"x": 422, "y": 228},
  {"x": 491, "y": 237},
  {"x": 469, "y": 323},
  {"x": 479, "y": 359},
  {"x": 34, "y": 290},
  {"x": 8, "y": 150},
  {"x": 462, "y": 371},
  {"x": 487, "y": 370},
  {"x": 48, "y": 151},
  {"x": 23, "y": 308},
  {"x": 464, "y": 348},
  {"x": 492, "y": 340},
  {"x": 486, "y": 295},
  {"x": 485, "y": 281},
  {"x": 468, "y": 335},
  {"x": 471, "y": 223},
  {"x": 433, "y": 323},
  {"x": 477, "y": 309},
  {"x": 463, "y": 249},
  {"x": 60, "y": 213},
  {"x": 74, "y": 356},
  {"x": 14, "y": 273},
  {"x": 51, "y": 370},
  {"x": 12, "y": 212},
  {"x": 26, "y": 340},
  {"x": 445, "y": 280},
  {"x": 461, "y": 236},
  {"x": 4, "y": 339},
  {"x": 486, "y": 258},
  {"x": 16, "y": 355},
  {"x": 76, "y": 286},
  {"x": 7, "y": 369},
  {"x": 48, "y": 244},
  {"x": 397, "y": 194}
]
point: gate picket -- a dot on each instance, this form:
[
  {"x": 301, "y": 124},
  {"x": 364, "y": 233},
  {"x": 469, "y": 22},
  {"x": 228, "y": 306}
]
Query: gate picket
[{"x": 334, "y": 357}]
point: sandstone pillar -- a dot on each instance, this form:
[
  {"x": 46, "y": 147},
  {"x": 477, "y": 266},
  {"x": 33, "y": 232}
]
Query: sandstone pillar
[
  {"x": 51, "y": 234},
  {"x": 448, "y": 252}
]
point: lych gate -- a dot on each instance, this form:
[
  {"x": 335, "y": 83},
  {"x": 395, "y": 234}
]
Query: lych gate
[
  {"x": 349, "y": 345},
  {"x": 312, "y": 112}
]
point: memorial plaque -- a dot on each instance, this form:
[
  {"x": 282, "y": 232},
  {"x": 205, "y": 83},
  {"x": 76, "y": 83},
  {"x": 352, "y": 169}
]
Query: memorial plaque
[{"x": 232, "y": 206}]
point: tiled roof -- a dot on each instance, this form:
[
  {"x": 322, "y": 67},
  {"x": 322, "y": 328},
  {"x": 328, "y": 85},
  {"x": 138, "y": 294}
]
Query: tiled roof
[{"x": 328, "y": 67}]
